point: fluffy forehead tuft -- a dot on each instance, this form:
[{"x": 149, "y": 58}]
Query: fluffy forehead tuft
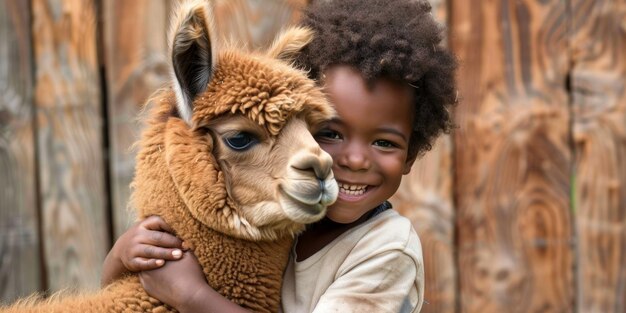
[{"x": 267, "y": 91}]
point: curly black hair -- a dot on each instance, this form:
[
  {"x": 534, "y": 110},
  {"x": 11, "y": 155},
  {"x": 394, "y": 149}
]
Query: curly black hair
[{"x": 393, "y": 39}]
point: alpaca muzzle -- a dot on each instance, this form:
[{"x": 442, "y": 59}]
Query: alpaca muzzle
[{"x": 309, "y": 187}]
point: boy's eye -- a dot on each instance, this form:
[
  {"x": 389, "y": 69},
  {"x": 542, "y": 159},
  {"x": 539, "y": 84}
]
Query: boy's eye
[
  {"x": 327, "y": 134},
  {"x": 384, "y": 143}
]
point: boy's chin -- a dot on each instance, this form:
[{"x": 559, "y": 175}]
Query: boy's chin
[{"x": 342, "y": 216}]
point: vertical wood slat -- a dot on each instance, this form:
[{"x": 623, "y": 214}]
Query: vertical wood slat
[
  {"x": 68, "y": 105},
  {"x": 513, "y": 156},
  {"x": 598, "y": 49},
  {"x": 20, "y": 265},
  {"x": 136, "y": 66},
  {"x": 255, "y": 23},
  {"x": 425, "y": 197}
]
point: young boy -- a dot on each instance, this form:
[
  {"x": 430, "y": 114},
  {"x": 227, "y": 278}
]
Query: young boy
[{"x": 392, "y": 85}]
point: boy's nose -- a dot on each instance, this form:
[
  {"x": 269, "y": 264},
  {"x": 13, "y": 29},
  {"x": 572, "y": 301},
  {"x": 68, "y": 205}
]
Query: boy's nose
[{"x": 354, "y": 158}]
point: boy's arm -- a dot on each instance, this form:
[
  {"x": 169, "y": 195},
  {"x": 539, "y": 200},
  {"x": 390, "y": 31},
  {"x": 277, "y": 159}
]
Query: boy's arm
[
  {"x": 392, "y": 281},
  {"x": 182, "y": 285},
  {"x": 209, "y": 300},
  {"x": 144, "y": 246},
  {"x": 112, "y": 268}
]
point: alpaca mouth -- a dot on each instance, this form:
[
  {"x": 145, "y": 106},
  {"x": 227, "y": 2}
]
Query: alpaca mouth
[
  {"x": 306, "y": 201},
  {"x": 312, "y": 191},
  {"x": 309, "y": 208},
  {"x": 299, "y": 211}
]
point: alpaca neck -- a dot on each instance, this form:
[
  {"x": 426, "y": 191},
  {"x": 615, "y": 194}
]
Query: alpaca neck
[{"x": 246, "y": 272}]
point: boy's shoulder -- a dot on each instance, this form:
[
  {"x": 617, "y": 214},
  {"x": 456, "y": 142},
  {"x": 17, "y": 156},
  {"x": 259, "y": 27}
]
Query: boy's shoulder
[
  {"x": 390, "y": 224},
  {"x": 387, "y": 231}
]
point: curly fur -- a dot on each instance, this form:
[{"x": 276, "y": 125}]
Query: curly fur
[{"x": 238, "y": 210}]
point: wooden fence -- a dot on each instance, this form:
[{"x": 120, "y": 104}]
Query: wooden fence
[{"x": 521, "y": 209}]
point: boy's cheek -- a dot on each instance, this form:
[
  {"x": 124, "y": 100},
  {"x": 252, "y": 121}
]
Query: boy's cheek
[{"x": 329, "y": 148}]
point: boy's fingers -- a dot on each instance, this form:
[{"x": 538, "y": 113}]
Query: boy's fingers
[
  {"x": 157, "y": 223},
  {"x": 153, "y": 252},
  {"x": 144, "y": 264},
  {"x": 163, "y": 239}
]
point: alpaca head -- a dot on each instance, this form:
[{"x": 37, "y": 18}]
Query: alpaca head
[{"x": 241, "y": 154}]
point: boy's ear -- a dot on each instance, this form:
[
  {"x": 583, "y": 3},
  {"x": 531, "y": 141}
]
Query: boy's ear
[
  {"x": 192, "y": 52},
  {"x": 409, "y": 164},
  {"x": 289, "y": 43}
]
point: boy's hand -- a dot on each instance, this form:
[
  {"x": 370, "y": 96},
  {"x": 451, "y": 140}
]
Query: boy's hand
[
  {"x": 147, "y": 245},
  {"x": 176, "y": 283},
  {"x": 144, "y": 246}
]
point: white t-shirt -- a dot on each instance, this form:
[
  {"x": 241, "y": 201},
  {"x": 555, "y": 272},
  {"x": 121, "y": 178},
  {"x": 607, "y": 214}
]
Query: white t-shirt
[{"x": 375, "y": 267}]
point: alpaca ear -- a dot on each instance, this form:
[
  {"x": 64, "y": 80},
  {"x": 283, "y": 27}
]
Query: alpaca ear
[
  {"x": 192, "y": 52},
  {"x": 289, "y": 43}
]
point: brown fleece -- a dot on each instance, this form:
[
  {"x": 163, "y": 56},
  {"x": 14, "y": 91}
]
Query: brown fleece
[{"x": 247, "y": 272}]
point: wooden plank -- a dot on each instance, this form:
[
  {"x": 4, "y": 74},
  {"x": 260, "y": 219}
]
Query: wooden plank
[
  {"x": 425, "y": 197},
  {"x": 598, "y": 81},
  {"x": 512, "y": 156},
  {"x": 20, "y": 264},
  {"x": 255, "y": 23},
  {"x": 136, "y": 66},
  {"x": 70, "y": 124}
]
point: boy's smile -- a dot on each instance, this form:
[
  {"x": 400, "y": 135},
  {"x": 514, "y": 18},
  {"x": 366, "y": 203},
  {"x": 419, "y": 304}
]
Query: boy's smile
[
  {"x": 368, "y": 140},
  {"x": 353, "y": 190}
]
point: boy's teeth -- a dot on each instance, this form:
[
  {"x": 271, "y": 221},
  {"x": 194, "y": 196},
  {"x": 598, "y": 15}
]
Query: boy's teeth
[{"x": 352, "y": 189}]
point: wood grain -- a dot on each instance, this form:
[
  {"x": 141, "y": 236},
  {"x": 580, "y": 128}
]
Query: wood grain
[
  {"x": 598, "y": 80},
  {"x": 512, "y": 156},
  {"x": 136, "y": 66},
  {"x": 70, "y": 132},
  {"x": 425, "y": 197},
  {"x": 20, "y": 264},
  {"x": 255, "y": 23}
]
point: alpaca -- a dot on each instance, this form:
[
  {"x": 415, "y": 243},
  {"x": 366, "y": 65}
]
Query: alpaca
[{"x": 228, "y": 160}]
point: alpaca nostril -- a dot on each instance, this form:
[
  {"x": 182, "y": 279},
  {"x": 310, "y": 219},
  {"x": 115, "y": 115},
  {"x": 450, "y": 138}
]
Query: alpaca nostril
[
  {"x": 324, "y": 166},
  {"x": 318, "y": 165},
  {"x": 321, "y": 172}
]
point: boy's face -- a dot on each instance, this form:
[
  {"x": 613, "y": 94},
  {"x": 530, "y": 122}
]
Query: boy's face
[{"x": 368, "y": 140}]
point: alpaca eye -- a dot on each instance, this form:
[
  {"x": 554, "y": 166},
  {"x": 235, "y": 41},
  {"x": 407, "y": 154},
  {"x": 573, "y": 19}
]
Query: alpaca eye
[{"x": 241, "y": 141}]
